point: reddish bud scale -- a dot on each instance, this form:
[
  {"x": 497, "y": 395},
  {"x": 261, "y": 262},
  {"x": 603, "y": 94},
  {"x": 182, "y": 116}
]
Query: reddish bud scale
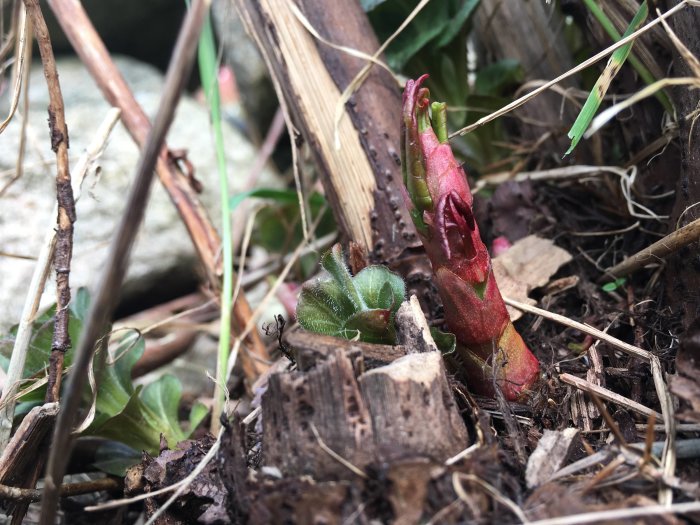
[{"x": 440, "y": 202}]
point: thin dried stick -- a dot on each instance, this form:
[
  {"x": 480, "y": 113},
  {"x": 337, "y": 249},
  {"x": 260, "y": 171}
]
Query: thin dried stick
[
  {"x": 63, "y": 253},
  {"x": 20, "y": 64},
  {"x": 673, "y": 242},
  {"x": 106, "y": 293},
  {"x": 36, "y": 285},
  {"x": 70, "y": 489},
  {"x": 58, "y": 130}
]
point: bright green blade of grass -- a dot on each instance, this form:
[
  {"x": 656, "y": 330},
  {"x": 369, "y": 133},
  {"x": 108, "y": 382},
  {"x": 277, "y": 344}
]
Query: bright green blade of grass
[
  {"x": 638, "y": 66},
  {"x": 590, "y": 108},
  {"x": 208, "y": 67}
]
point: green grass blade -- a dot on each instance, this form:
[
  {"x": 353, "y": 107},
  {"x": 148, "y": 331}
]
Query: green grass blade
[
  {"x": 638, "y": 66},
  {"x": 208, "y": 67},
  {"x": 590, "y": 108}
]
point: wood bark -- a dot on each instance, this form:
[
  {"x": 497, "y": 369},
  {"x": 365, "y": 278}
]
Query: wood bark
[
  {"x": 336, "y": 438},
  {"x": 18, "y": 464},
  {"x": 363, "y": 178},
  {"x": 404, "y": 409},
  {"x": 412, "y": 409},
  {"x": 534, "y": 36},
  {"x": 683, "y": 272},
  {"x": 308, "y": 348}
]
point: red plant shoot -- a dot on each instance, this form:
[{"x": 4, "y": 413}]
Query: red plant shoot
[{"x": 440, "y": 203}]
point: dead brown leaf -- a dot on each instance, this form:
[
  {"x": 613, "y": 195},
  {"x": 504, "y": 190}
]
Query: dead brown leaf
[{"x": 528, "y": 264}]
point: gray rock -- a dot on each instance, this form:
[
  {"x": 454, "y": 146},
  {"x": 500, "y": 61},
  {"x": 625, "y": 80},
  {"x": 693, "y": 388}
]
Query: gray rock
[
  {"x": 258, "y": 96},
  {"x": 163, "y": 246}
]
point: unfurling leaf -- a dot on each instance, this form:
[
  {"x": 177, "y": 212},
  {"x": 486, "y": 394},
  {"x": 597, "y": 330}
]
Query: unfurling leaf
[
  {"x": 361, "y": 306},
  {"x": 440, "y": 202}
]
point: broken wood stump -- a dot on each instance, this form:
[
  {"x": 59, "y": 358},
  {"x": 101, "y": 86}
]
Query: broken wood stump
[{"x": 337, "y": 437}]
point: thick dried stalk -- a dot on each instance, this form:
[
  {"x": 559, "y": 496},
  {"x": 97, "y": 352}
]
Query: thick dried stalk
[
  {"x": 104, "y": 299},
  {"x": 362, "y": 178}
]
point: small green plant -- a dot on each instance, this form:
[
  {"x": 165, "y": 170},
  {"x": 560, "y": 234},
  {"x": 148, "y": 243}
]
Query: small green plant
[
  {"x": 361, "y": 306},
  {"x": 134, "y": 416},
  {"x": 614, "y": 285},
  {"x": 137, "y": 416}
]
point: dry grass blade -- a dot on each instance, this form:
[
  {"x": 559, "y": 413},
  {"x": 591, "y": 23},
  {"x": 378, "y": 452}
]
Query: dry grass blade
[
  {"x": 360, "y": 77},
  {"x": 22, "y": 56},
  {"x": 605, "y": 116},
  {"x": 612, "y": 68},
  {"x": 692, "y": 61},
  {"x": 693, "y": 64},
  {"x": 345, "y": 49},
  {"x": 607, "y": 394}
]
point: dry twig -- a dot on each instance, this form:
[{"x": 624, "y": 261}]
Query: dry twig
[
  {"x": 673, "y": 242},
  {"x": 69, "y": 489},
  {"x": 36, "y": 285},
  {"x": 115, "y": 267},
  {"x": 608, "y": 395},
  {"x": 66, "y": 204}
]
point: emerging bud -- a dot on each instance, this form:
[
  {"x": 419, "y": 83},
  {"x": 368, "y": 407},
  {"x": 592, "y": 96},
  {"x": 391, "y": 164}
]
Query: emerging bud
[{"x": 440, "y": 203}]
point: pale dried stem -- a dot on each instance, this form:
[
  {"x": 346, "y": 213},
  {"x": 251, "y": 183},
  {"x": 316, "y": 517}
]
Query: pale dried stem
[
  {"x": 21, "y": 62},
  {"x": 608, "y": 395}
]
